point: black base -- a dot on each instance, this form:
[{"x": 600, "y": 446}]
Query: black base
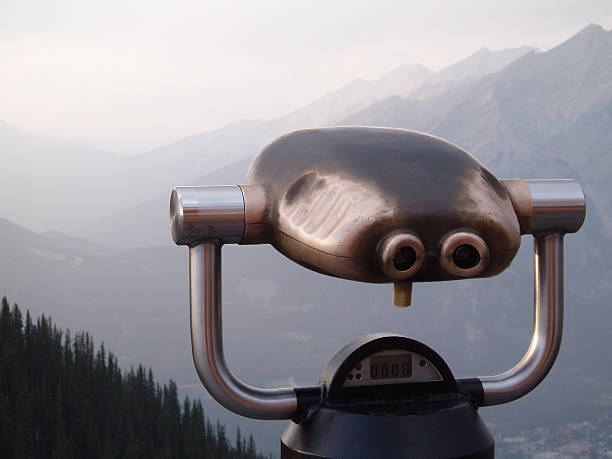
[{"x": 455, "y": 432}]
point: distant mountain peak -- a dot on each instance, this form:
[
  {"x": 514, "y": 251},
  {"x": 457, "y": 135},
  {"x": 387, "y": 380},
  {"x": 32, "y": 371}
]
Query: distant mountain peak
[
  {"x": 7, "y": 225},
  {"x": 405, "y": 74},
  {"x": 477, "y": 65},
  {"x": 483, "y": 50},
  {"x": 415, "y": 66},
  {"x": 593, "y": 29},
  {"x": 592, "y": 32},
  {"x": 591, "y": 39},
  {"x": 357, "y": 82},
  {"x": 6, "y": 128}
]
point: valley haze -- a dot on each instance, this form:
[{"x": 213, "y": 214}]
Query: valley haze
[{"x": 93, "y": 249}]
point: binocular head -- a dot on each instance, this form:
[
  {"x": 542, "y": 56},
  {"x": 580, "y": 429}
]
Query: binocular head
[
  {"x": 376, "y": 205},
  {"x": 385, "y": 205}
]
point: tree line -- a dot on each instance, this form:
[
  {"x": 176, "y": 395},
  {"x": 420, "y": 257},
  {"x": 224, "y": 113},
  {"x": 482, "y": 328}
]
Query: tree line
[{"x": 61, "y": 398}]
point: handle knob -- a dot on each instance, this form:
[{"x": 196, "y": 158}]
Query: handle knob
[{"x": 204, "y": 213}]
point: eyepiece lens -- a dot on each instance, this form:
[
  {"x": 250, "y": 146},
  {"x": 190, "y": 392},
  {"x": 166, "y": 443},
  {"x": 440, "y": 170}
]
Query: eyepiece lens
[
  {"x": 404, "y": 258},
  {"x": 466, "y": 256}
]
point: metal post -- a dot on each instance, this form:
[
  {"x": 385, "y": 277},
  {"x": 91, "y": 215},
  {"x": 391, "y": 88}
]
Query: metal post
[
  {"x": 207, "y": 344},
  {"x": 547, "y": 328}
]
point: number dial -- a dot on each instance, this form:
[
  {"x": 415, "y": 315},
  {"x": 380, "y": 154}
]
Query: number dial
[{"x": 392, "y": 367}]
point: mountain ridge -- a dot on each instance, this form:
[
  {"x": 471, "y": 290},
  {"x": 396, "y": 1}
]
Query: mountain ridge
[
  {"x": 107, "y": 183},
  {"x": 477, "y": 65},
  {"x": 113, "y": 228},
  {"x": 137, "y": 298},
  {"x": 482, "y": 116}
]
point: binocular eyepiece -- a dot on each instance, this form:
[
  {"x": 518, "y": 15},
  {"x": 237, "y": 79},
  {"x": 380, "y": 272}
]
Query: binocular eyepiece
[{"x": 462, "y": 254}]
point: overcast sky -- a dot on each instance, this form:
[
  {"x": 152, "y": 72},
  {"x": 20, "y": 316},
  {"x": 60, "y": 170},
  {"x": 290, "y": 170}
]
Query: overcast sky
[{"x": 128, "y": 76}]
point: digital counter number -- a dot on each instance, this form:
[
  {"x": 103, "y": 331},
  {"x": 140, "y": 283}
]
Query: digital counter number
[{"x": 391, "y": 366}]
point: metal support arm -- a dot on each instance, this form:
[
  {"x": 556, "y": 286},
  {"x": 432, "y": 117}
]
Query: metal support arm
[
  {"x": 209, "y": 358},
  {"x": 546, "y": 208},
  {"x": 207, "y": 344},
  {"x": 555, "y": 207},
  {"x": 547, "y": 328}
]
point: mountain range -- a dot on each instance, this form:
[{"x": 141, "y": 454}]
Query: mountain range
[
  {"x": 75, "y": 188},
  {"x": 523, "y": 113}
]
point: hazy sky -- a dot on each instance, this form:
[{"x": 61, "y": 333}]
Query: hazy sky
[{"x": 128, "y": 76}]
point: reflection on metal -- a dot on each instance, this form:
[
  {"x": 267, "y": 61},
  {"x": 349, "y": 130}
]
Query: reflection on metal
[
  {"x": 256, "y": 216},
  {"x": 402, "y": 293},
  {"x": 547, "y": 205},
  {"x": 207, "y": 344},
  {"x": 401, "y": 255},
  {"x": 375, "y": 205},
  {"x": 550, "y": 208},
  {"x": 199, "y": 213},
  {"x": 558, "y": 205},
  {"x": 467, "y": 241},
  {"x": 547, "y": 328},
  {"x": 336, "y": 195}
]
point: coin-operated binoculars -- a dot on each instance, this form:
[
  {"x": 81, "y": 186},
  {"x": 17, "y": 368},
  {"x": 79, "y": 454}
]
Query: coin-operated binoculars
[{"x": 383, "y": 206}]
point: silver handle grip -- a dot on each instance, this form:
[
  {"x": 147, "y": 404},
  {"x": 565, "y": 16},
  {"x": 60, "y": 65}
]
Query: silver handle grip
[
  {"x": 200, "y": 213},
  {"x": 555, "y": 207},
  {"x": 547, "y": 328},
  {"x": 205, "y": 218},
  {"x": 207, "y": 344},
  {"x": 547, "y": 205},
  {"x": 231, "y": 214}
]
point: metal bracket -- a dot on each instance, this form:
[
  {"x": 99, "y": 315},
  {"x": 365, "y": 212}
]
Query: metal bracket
[
  {"x": 547, "y": 328},
  {"x": 554, "y": 207},
  {"x": 557, "y": 207},
  {"x": 207, "y": 344}
]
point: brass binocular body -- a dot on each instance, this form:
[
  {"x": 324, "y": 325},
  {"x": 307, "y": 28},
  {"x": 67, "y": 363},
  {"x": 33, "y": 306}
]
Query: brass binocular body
[{"x": 375, "y": 205}]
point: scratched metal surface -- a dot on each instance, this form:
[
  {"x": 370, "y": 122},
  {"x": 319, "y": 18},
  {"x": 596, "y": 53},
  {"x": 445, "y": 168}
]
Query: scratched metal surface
[{"x": 337, "y": 192}]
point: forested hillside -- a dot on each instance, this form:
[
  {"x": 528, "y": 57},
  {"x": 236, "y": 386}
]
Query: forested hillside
[{"x": 62, "y": 398}]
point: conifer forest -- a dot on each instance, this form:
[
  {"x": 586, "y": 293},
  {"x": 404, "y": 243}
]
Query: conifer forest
[{"x": 63, "y": 398}]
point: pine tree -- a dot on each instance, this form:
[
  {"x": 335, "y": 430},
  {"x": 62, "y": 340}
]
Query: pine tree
[
  {"x": 251, "y": 450},
  {"x": 62, "y": 398},
  {"x": 239, "y": 446}
]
